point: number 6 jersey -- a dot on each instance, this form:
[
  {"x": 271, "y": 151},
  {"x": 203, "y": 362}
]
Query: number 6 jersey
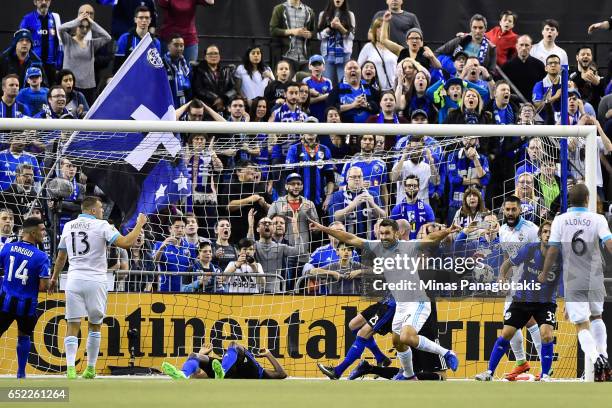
[{"x": 85, "y": 240}]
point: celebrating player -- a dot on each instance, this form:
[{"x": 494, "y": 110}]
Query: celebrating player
[
  {"x": 409, "y": 315},
  {"x": 83, "y": 243},
  {"x": 26, "y": 272},
  {"x": 527, "y": 304},
  {"x": 577, "y": 234}
]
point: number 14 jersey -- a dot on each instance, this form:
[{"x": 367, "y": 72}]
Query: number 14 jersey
[{"x": 85, "y": 240}]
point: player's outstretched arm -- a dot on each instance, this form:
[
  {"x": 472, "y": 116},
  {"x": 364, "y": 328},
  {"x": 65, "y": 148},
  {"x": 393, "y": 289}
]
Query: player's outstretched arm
[
  {"x": 279, "y": 372},
  {"x": 60, "y": 262},
  {"x": 437, "y": 236},
  {"x": 128, "y": 240},
  {"x": 343, "y": 236}
]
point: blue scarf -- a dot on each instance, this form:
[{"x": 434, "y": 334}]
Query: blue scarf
[
  {"x": 335, "y": 48},
  {"x": 179, "y": 75},
  {"x": 484, "y": 49}
]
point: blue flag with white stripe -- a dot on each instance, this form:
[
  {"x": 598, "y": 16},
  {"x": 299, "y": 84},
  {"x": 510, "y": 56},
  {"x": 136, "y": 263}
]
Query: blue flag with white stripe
[{"x": 140, "y": 172}]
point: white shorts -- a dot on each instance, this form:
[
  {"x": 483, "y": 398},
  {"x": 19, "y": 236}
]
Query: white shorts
[
  {"x": 85, "y": 299},
  {"x": 580, "y": 312},
  {"x": 410, "y": 314}
]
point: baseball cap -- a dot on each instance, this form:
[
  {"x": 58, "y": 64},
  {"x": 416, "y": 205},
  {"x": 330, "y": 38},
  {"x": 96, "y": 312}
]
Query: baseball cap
[
  {"x": 21, "y": 34},
  {"x": 458, "y": 54},
  {"x": 574, "y": 91},
  {"x": 32, "y": 72},
  {"x": 293, "y": 176},
  {"x": 418, "y": 112},
  {"x": 312, "y": 119},
  {"x": 453, "y": 81},
  {"x": 316, "y": 59}
]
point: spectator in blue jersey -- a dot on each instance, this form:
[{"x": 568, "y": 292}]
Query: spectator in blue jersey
[
  {"x": 413, "y": 209},
  {"x": 417, "y": 160},
  {"x": 26, "y": 271},
  {"x": 319, "y": 87},
  {"x": 34, "y": 96},
  {"x": 123, "y": 14},
  {"x": 9, "y": 106},
  {"x": 358, "y": 207},
  {"x": 466, "y": 167},
  {"x": 503, "y": 107},
  {"x": 288, "y": 112},
  {"x": 373, "y": 169},
  {"x": 21, "y": 194},
  {"x": 474, "y": 44},
  {"x": 46, "y": 42},
  {"x": 178, "y": 69},
  {"x": 318, "y": 179},
  {"x": 388, "y": 108},
  {"x": 576, "y": 107},
  {"x": 174, "y": 254},
  {"x": 356, "y": 101},
  {"x": 80, "y": 47},
  {"x": 414, "y": 98},
  {"x": 369, "y": 76},
  {"x": 446, "y": 95},
  {"x": 478, "y": 75},
  {"x": 547, "y": 92},
  {"x": 213, "y": 83},
  {"x": 56, "y": 104},
  {"x": 13, "y": 157},
  {"x": 128, "y": 41},
  {"x": 326, "y": 254},
  {"x": 275, "y": 90},
  {"x": 205, "y": 281},
  {"x": 19, "y": 57},
  {"x": 76, "y": 103},
  {"x": 336, "y": 30},
  {"x": 341, "y": 277}
]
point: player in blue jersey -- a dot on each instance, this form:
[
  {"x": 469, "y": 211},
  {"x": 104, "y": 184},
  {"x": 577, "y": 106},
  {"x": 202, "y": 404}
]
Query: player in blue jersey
[
  {"x": 375, "y": 319},
  {"x": 531, "y": 301},
  {"x": 412, "y": 209},
  {"x": 237, "y": 363},
  {"x": 26, "y": 272}
]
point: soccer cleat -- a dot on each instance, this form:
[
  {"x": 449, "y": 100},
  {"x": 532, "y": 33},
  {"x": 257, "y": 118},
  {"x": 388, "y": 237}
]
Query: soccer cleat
[
  {"x": 384, "y": 363},
  {"x": 484, "y": 376},
  {"x": 519, "y": 369},
  {"x": 401, "y": 377},
  {"x": 71, "y": 373},
  {"x": 218, "y": 369},
  {"x": 600, "y": 369},
  {"x": 89, "y": 373},
  {"x": 451, "y": 360},
  {"x": 607, "y": 369},
  {"x": 172, "y": 371},
  {"x": 361, "y": 370},
  {"x": 544, "y": 378},
  {"x": 328, "y": 371}
]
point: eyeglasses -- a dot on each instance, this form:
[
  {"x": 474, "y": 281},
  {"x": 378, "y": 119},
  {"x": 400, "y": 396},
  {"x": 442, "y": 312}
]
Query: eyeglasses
[{"x": 411, "y": 185}]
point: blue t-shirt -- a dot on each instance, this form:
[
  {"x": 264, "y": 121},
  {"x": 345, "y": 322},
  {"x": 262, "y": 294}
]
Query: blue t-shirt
[
  {"x": 284, "y": 114},
  {"x": 174, "y": 259},
  {"x": 125, "y": 46},
  {"x": 24, "y": 265},
  {"x": 417, "y": 214},
  {"x": 374, "y": 171},
  {"x": 322, "y": 86},
  {"x": 532, "y": 258},
  {"x": 312, "y": 176},
  {"x": 8, "y": 166},
  {"x": 325, "y": 255},
  {"x": 33, "y": 100},
  {"x": 359, "y": 221}
]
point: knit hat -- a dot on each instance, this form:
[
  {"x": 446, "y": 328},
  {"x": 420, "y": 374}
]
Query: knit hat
[{"x": 21, "y": 34}]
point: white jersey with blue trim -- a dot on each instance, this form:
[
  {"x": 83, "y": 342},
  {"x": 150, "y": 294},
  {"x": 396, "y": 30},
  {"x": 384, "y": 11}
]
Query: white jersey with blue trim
[
  {"x": 513, "y": 238},
  {"x": 85, "y": 240}
]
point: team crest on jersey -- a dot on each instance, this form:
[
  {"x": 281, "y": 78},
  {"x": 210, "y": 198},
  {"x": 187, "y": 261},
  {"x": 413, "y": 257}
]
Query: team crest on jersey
[
  {"x": 186, "y": 252},
  {"x": 320, "y": 155},
  {"x": 154, "y": 58},
  {"x": 507, "y": 316}
]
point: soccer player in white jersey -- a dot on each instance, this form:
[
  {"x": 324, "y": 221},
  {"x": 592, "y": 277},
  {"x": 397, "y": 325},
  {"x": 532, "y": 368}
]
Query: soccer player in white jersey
[
  {"x": 579, "y": 234},
  {"x": 83, "y": 243},
  {"x": 411, "y": 315},
  {"x": 514, "y": 233}
]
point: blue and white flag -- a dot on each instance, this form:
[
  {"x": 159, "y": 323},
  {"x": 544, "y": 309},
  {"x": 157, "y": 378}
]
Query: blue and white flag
[{"x": 138, "y": 171}]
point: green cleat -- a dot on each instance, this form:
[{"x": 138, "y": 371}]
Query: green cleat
[
  {"x": 71, "y": 373},
  {"x": 218, "y": 369},
  {"x": 172, "y": 371},
  {"x": 89, "y": 373}
]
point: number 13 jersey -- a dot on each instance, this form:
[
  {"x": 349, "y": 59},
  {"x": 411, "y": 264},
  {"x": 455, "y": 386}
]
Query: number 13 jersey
[{"x": 85, "y": 240}]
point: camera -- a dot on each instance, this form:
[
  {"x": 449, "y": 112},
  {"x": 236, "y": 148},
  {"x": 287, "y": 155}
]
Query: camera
[{"x": 250, "y": 259}]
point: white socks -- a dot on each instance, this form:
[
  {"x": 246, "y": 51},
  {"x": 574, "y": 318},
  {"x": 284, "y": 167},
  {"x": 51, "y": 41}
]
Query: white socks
[
  {"x": 587, "y": 344},
  {"x": 598, "y": 331},
  {"x": 405, "y": 358},
  {"x": 534, "y": 331},
  {"x": 430, "y": 346},
  {"x": 516, "y": 343},
  {"x": 93, "y": 347},
  {"x": 71, "y": 345}
]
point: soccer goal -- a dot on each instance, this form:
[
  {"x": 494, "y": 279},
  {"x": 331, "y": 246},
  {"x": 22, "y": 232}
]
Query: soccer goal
[{"x": 290, "y": 304}]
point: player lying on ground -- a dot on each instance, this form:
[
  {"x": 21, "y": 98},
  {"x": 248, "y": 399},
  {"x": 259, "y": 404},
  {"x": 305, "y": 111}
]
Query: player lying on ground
[
  {"x": 410, "y": 315},
  {"x": 83, "y": 243},
  {"x": 527, "y": 304},
  {"x": 237, "y": 363},
  {"x": 579, "y": 234},
  {"x": 26, "y": 272},
  {"x": 375, "y": 319}
]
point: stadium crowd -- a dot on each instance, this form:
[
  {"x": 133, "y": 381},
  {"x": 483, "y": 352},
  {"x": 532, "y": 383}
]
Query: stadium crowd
[{"x": 253, "y": 195}]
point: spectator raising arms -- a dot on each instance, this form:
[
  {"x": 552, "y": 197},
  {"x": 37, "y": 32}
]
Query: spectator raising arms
[{"x": 376, "y": 52}]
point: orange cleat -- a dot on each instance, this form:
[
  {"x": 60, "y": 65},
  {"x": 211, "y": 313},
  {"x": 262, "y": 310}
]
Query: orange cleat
[{"x": 519, "y": 369}]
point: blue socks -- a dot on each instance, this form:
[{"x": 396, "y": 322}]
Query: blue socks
[
  {"x": 354, "y": 353},
  {"x": 373, "y": 347},
  {"x": 23, "y": 351},
  {"x": 547, "y": 357},
  {"x": 499, "y": 349},
  {"x": 229, "y": 359},
  {"x": 190, "y": 367}
]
